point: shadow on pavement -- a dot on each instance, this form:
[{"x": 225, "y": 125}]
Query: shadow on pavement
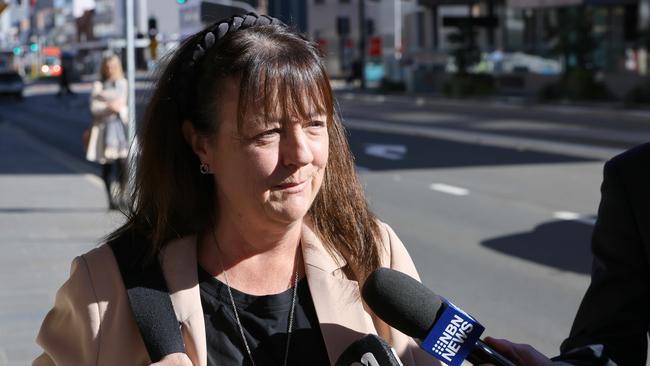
[
  {"x": 9, "y": 100},
  {"x": 564, "y": 245},
  {"x": 427, "y": 153},
  {"x": 42, "y": 134}
]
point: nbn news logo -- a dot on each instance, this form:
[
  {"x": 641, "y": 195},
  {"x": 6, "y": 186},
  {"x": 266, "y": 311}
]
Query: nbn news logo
[{"x": 452, "y": 336}]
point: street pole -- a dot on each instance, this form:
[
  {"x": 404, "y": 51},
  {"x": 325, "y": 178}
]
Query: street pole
[
  {"x": 362, "y": 42},
  {"x": 141, "y": 17},
  {"x": 491, "y": 30},
  {"x": 130, "y": 74},
  {"x": 397, "y": 41},
  {"x": 398, "y": 30}
]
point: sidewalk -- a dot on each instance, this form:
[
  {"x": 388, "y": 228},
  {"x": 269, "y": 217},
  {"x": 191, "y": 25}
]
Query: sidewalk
[{"x": 51, "y": 209}]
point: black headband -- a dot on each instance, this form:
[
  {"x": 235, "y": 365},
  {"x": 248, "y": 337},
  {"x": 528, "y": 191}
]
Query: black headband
[{"x": 211, "y": 36}]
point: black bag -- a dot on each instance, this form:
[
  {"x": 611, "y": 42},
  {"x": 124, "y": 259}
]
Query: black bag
[{"x": 149, "y": 298}]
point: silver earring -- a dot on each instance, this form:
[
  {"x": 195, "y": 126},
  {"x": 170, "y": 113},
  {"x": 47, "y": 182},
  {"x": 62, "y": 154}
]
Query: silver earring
[{"x": 204, "y": 168}]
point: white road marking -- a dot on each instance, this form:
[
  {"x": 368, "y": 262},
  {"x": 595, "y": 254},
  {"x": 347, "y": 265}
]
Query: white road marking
[
  {"x": 389, "y": 152},
  {"x": 572, "y": 216},
  {"x": 445, "y": 188},
  {"x": 360, "y": 168}
]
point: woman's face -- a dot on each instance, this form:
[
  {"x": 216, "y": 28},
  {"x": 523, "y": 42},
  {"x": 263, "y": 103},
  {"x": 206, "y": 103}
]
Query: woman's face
[
  {"x": 112, "y": 68},
  {"x": 272, "y": 172}
]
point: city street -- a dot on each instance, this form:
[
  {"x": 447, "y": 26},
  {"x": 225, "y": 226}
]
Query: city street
[{"x": 495, "y": 201}]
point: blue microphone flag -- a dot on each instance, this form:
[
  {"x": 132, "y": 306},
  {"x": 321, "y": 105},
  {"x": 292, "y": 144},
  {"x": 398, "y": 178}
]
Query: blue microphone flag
[{"x": 452, "y": 336}]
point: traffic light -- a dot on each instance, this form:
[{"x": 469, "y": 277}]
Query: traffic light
[
  {"x": 153, "y": 41},
  {"x": 17, "y": 51},
  {"x": 374, "y": 48},
  {"x": 152, "y": 27},
  {"x": 33, "y": 47},
  {"x": 181, "y": 2},
  {"x": 343, "y": 26},
  {"x": 370, "y": 27}
]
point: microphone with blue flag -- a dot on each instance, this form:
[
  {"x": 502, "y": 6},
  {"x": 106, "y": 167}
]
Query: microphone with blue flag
[{"x": 447, "y": 332}]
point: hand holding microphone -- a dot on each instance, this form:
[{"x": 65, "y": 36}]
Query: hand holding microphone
[
  {"x": 521, "y": 354},
  {"x": 448, "y": 333}
]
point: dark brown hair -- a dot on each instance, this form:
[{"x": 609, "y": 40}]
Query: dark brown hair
[{"x": 274, "y": 64}]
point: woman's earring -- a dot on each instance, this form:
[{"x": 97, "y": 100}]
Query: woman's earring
[{"x": 204, "y": 168}]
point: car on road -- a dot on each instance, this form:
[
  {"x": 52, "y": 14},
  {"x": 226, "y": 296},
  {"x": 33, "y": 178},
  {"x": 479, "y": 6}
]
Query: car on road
[{"x": 11, "y": 83}]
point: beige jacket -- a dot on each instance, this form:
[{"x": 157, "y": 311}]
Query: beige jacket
[
  {"x": 92, "y": 324},
  {"x": 97, "y": 150}
]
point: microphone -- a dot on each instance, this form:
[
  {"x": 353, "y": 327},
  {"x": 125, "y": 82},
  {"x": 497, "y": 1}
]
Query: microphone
[
  {"x": 370, "y": 350},
  {"x": 447, "y": 333}
]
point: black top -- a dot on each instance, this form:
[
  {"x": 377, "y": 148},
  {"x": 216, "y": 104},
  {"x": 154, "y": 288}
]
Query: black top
[
  {"x": 615, "y": 311},
  {"x": 265, "y": 320}
]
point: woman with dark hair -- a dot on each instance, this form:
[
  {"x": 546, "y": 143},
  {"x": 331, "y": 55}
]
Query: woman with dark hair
[{"x": 246, "y": 195}]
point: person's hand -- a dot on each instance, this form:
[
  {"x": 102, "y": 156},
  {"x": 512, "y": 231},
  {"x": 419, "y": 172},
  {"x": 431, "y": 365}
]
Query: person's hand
[
  {"x": 116, "y": 105},
  {"x": 174, "y": 359},
  {"x": 520, "y": 354}
]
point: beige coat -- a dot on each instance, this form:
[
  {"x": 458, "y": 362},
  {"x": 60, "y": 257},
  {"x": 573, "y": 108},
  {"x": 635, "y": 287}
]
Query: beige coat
[
  {"x": 97, "y": 151},
  {"x": 92, "y": 324}
]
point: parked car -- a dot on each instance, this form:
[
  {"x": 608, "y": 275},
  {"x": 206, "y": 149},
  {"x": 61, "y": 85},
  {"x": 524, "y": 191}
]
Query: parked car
[{"x": 11, "y": 83}]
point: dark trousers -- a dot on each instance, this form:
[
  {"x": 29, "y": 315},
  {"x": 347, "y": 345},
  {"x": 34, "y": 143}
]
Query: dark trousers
[{"x": 111, "y": 172}]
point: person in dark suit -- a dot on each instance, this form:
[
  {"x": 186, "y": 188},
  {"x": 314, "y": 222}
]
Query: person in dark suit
[{"x": 613, "y": 320}]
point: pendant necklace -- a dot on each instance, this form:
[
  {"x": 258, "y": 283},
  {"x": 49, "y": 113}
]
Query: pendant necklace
[{"x": 234, "y": 308}]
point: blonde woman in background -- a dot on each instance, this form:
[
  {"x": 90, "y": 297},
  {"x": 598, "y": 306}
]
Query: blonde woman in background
[{"x": 108, "y": 144}]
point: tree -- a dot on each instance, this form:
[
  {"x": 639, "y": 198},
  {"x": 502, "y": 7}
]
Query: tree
[{"x": 574, "y": 38}]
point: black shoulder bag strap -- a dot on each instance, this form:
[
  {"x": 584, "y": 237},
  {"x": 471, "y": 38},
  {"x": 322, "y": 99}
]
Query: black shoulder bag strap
[{"x": 149, "y": 298}]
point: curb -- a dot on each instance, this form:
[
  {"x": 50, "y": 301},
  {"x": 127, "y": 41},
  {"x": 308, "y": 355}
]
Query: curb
[{"x": 497, "y": 103}]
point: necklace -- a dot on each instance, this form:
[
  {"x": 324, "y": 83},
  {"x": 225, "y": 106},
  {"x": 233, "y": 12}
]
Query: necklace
[{"x": 234, "y": 308}]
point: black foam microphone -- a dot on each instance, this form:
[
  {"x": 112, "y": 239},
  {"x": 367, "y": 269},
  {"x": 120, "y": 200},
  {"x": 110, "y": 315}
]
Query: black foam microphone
[
  {"x": 370, "y": 350},
  {"x": 408, "y": 306}
]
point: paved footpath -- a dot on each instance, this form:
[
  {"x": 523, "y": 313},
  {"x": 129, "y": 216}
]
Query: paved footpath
[{"x": 52, "y": 208}]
